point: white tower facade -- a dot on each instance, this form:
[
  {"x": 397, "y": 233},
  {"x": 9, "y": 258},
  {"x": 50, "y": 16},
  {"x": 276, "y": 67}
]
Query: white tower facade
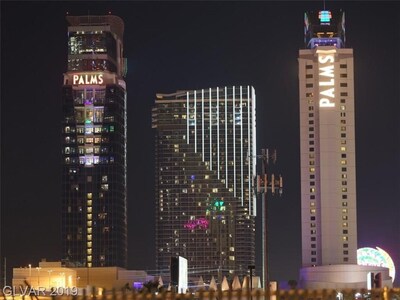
[
  {"x": 327, "y": 141},
  {"x": 328, "y": 159},
  {"x": 328, "y": 166}
]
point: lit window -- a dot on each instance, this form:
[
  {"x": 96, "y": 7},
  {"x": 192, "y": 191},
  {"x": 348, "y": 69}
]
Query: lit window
[
  {"x": 345, "y": 238},
  {"x": 312, "y": 190},
  {"x": 343, "y": 162},
  {"x": 312, "y": 169},
  {"x": 343, "y": 148}
]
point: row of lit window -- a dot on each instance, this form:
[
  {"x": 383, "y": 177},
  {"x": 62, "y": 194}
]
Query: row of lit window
[
  {"x": 88, "y": 129},
  {"x": 310, "y": 66},
  {"x": 89, "y": 160},
  {"x": 86, "y": 150},
  {"x": 87, "y": 140},
  {"x": 342, "y": 84}
]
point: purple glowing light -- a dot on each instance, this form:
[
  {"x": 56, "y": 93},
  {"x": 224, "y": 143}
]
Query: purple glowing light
[{"x": 200, "y": 223}]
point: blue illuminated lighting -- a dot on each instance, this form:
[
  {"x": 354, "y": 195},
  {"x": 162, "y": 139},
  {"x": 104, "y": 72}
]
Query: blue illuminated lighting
[
  {"x": 325, "y": 16},
  {"x": 138, "y": 285},
  {"x": 192, "y": 177}
]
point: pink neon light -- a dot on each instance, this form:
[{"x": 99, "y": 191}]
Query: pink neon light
[{"x": 201, "y": 223}]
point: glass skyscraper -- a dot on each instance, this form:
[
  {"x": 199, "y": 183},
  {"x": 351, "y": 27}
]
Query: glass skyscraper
[
  {"x": 94, "y": 227},
  {"x": 205, "y": 164}
]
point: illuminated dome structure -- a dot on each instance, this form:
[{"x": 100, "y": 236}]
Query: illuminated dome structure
[{"x": 376, "y": 257}]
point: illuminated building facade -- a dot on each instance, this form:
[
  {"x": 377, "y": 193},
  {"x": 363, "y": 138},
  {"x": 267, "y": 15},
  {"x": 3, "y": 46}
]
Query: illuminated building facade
[
  {"x": 94, "y": 229},
  {"x": 205, "y": 161},
  {"x": 328, "y": 160},
  {"x": 327, "y": 141}
]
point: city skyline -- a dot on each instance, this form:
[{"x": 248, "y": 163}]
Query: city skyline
[{"x": 200, "y": 54}]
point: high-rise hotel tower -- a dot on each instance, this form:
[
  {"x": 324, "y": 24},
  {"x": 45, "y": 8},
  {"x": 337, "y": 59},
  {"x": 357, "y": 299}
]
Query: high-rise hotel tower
[
  {"x": 94, "y": 229},
  {"x": 205, "y": 161},
  {"x": 327, "y": 143}
]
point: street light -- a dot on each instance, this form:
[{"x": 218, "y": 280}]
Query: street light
[
  {"x": 49, "y": 271},
  {"x": 38, "y": 273}
]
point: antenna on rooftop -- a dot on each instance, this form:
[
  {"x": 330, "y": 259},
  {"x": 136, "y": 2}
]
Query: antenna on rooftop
[{"x": 324, "y": 4}]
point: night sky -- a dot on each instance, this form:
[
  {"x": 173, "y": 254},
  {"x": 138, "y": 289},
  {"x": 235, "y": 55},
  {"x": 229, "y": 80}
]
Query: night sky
[{"x": 194, "y": 45}]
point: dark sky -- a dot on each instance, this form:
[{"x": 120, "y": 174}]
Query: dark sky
[{"x": 191, "y": 45}]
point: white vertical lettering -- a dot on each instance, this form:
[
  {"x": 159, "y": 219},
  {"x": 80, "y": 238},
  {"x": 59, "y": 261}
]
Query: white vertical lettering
[{"x": 326, "y": 61}]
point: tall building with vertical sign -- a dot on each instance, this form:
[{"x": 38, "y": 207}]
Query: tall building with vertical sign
[
  {"x": 205, "y": 144},
  {"x": 94, "y": 224},
  {"x": 328, "y": 158},
  {"x": 328, "y": 171}
]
